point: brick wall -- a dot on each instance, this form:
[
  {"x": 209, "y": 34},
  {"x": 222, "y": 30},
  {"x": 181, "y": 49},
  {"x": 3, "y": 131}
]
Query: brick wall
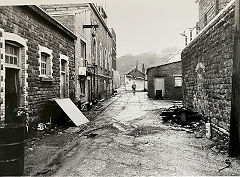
[
  {"x": 31, "y": 27},
  {"x": 207, "y": 70},
  {"x": 167, "y": 71}
]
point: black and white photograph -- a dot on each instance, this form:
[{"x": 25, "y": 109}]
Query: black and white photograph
[{"x": 119, "y": 88}]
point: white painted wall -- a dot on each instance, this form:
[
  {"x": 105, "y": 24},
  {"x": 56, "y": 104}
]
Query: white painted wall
[{"x": 130, "y": 80}]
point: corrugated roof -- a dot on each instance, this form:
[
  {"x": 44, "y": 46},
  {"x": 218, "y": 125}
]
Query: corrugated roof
[{"x": 173, "y": 59}]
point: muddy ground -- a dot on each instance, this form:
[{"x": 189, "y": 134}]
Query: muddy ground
[{"x": 127, "y": 137}]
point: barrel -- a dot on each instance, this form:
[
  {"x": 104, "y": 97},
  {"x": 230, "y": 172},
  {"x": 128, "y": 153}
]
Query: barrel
[{"x": 12, "y": 149}]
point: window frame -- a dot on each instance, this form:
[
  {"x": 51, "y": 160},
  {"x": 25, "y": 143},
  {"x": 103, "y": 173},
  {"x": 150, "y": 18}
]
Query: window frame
[
  {"x": 45, "y": 63},
  {"x": 178, "y": 78},
  {"x": 18, "y": 55},
  {"x": 49, "y": 71},
  {"x": 83, "y": 52}
]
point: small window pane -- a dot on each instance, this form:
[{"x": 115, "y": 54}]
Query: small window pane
[
  {"x": 15, "y": 60},
  {"x": 11, "y": 54},
  {"x": 7, "y": 59},
  {"x": 11, "y": 60},
  {"x": 44, "y": 62},
  {"x": 178, "y": 81},
  {"x": 7, "y": 49},
  {"x": 15, "y": 51}
]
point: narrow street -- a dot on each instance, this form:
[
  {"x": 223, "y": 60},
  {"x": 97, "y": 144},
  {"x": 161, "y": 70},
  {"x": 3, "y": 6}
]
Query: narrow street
[
  {"x": 87, "y": 90},
  {"x": 135, "y": 142}
]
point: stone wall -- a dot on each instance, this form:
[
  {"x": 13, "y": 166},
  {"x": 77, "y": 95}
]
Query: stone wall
[
  {"x": 207, "y": 71},
  {"x": 24, "y": 22},
  {"x": 208, "y": 9},
  {"x": 84, "y": 13},
  {"x": 74, "y": 17},
  {"x": 168, "y": 72}
]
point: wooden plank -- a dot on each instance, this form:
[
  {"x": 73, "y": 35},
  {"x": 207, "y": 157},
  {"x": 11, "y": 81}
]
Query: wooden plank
[{"x": 72, "y": 111}]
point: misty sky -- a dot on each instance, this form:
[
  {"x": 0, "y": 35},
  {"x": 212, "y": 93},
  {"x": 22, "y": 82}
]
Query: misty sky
[
  {"x": 150, "y": 25},
  {"x": 142, "y": 25}
]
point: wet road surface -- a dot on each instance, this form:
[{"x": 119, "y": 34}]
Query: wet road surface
[{"x": 133, "y": 141}]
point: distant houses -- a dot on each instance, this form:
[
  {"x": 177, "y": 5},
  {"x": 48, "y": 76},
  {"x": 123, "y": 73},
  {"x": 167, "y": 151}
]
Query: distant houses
[
  {"x": 165, "y": 81},
  {"x": 135, "y": 77}
]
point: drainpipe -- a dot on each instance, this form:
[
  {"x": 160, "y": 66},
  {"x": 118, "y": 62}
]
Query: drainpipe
[{"x": 234, "y": 140}]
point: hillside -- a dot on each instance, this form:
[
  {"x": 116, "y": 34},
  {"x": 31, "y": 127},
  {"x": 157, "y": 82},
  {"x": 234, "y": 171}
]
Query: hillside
[{"x": 128, "y": 62}]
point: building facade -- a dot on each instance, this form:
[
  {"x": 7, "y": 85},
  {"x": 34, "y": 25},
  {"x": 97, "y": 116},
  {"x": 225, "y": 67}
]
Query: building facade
[
  {"x": 207, "y": 69},
  {"x": 37, "y": 60},
  {"x": 165, "y": 81},
  {"x": 95, "y": 48},
  {"x": 103, "y": 54}
]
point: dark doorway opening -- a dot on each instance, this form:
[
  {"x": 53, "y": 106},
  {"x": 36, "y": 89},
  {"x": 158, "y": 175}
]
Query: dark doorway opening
[{"x": 11, "y": 94}]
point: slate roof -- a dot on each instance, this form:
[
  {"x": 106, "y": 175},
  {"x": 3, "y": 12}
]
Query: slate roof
[{"x": 136, "y": 73}]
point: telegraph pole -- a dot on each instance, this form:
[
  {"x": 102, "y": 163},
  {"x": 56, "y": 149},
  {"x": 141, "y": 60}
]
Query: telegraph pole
[{"x": 234, "y": 142}]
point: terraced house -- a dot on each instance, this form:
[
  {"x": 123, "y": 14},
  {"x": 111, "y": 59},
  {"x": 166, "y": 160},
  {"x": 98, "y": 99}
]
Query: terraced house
[
  {"x": 95, "y": 48},
  {"x": 37, "y": 60},
  {"x": 208, "y": 63}
]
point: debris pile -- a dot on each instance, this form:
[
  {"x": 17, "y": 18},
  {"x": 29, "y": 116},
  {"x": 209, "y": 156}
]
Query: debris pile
[{"x": 180, "y": 115}]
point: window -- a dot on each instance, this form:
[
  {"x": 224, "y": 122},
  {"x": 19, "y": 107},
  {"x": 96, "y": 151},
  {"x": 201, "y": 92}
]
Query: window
[
  {"x": 11, "y": 54},
  {"x": 100, "y": 55},
  {"x": 178, "y": 81},
  {"x": 45, "y": 61},
  {"x": 94, "y": 50},
  {"x": 83, "y": 52},
  {"x": 82, "y": 86},
  {"x": 63, "y": 66},
  {"x": 105, "y": 59}
]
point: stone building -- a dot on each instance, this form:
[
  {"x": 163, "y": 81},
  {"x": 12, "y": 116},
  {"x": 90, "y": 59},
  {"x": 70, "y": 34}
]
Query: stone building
[
  {"x": 208, "y": 9},
  {"x": 95, "y": 48},
  {"x": 116, "y": 74},
  {"x": 207, "y": 64},
  {"x": 37, "y": 60},
  {"x": 165, "y": 81}
]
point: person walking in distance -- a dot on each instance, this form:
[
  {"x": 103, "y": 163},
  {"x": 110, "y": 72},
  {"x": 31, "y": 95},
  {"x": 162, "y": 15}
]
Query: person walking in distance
[{"x": 134, "y": 87}]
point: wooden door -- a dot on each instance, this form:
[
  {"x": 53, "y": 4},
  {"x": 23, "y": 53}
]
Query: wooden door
[
  {"x": 159, "y": 84},
  {"x": 11, "y": 95}
]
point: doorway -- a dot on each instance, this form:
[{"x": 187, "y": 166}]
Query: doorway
[
  {"x": 63, "y": 86},
  {"x": 159, "y": 87},
  {"x": 11, "y": 94},
  {"x": 89, "y": 91}
]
